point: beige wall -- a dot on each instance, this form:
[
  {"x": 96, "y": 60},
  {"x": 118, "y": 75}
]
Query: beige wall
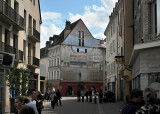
[{"x": 22, "y": 35}]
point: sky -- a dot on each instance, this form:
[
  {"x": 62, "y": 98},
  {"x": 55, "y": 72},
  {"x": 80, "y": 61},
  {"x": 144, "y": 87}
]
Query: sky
[{"x": 94, "y": 13}]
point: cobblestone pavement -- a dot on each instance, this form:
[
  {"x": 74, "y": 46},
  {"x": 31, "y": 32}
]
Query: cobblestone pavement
[{"x": 71, "y": 106}]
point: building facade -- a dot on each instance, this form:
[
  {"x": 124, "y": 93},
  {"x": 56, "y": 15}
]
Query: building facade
[
  {"x": 145, "y": 55},
  {"x": 44, "y": 64},
  {"x": 114, "y": 48},
  {"x": 75, "y": 60},
  {"x": 20, "y": 35}
]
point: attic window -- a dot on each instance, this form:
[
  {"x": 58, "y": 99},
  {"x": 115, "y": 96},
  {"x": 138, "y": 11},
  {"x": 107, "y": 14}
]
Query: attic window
[{"x": 81, "y": 38}]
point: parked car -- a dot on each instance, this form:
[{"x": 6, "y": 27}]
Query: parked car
[{"x": 108, "y": 96}]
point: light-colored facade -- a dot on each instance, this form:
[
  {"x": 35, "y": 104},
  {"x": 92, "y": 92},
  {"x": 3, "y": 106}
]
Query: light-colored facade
[
  {"x": 145, "y": 55},
  {"x": 20, "y": 22},
  {"x": 75, "y": 58},
  {"x": 114, "y": 48},
  {"x": 44, "y": 64}
]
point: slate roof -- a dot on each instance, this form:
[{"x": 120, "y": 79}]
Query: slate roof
[
  {"x": 43, "y": 52},
  {"x": 58, "y": 39}
]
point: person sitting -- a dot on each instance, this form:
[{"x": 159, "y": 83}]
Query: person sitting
[{"x": 133, "y": 105}]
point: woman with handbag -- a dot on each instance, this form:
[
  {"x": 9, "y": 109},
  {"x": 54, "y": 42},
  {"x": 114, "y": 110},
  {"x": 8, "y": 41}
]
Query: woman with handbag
[{"x": 39, "y": 102}]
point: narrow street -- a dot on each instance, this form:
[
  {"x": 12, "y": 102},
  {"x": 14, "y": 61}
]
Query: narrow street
[{"x": 71, "y": 106}]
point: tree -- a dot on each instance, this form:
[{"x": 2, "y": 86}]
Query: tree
[
  {"x": 25, "y": 74},
  {"x": 18, "y": 79},
  {"x": 49, "y": 85}
]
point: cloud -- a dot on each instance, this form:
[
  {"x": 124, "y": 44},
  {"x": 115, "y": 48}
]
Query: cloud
[
  {"x": 95, "y": 16},
  {"x": 50, "y": 15},
  {"x": 51, "y": 20},
  {"x": 99, "y": 35},
  {"x": 48, "y": 31}
]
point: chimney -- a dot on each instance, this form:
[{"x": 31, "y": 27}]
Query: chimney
[
  {"x": 68, "y": 24},
  {"x": 67, "y": 29},
  {"x": 47, "y": 44}
]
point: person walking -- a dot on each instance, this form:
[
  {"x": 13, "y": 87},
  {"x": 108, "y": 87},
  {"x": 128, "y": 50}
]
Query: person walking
[
  {"x": 18, "y": 103},
  {"x": 78, "y": 95},
  {"x": 90, "y": 96},
  {"x": 39, "y": 102},
  {"x": 87, "y": 94},
  {"x": 53, "y": 98},
  {"x": 95, "y": 97},
  {"x": 33, "y": 96},
  {"x": 58, "y": 94},
  {"x": 83, "y": 93},
  {"x": 152, "y": 104},
  {"x": 133, "y": 105},
  {"x": 100, "y": 96},
  {"x": 26, "y": 110}
]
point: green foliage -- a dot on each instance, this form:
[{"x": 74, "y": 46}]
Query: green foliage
[
  {"x": 49, "y": 85},
  {"x": 17, "y": 80}
]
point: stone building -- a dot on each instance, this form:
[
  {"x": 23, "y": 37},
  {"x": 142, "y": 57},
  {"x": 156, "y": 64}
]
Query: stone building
[
  {"x": 75, "y": 60},
  {"x": 20, "y": 22},
  {"x": 145, "y": 59},
  {"x": 114, "y": 48}
]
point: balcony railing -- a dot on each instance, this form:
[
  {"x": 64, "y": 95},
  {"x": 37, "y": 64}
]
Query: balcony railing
[
  {"x": 33, "y": 61},
  {"x": 10, "y": 49},
  {"x": 34, "y": 33},
  {"x": 11, "y": 14}
]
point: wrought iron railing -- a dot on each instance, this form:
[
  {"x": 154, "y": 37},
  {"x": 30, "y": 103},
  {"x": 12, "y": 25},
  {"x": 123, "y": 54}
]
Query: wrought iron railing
[
  {"x": 33, "y": 32},
  {"x": 8, "y": 11},
  {"x": 33, "y": 61},
  {"x": 10, "y": 49}
]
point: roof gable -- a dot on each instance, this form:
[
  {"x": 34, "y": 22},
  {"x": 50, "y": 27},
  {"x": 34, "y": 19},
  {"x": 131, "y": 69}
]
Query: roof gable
[{"x": 71, "y": 37}]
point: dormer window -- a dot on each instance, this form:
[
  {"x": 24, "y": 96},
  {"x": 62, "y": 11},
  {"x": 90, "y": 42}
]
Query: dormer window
[{"x": 81, "y": 38}]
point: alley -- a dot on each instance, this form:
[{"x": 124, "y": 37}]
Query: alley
[{"x": 71, "y": 106}]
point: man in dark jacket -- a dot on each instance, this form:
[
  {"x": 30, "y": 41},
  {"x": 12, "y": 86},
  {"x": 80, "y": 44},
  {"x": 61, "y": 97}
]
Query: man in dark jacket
[
  {"x": 100, "y": 96},
  {"x": 133, "y": 105},
  {"x": 58, "y": 94},
  {"x": 78, "y": 95},
  {"x": 87, "y": 94}
]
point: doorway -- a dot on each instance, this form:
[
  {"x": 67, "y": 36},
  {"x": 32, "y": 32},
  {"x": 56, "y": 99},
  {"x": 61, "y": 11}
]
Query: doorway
[{"x": 69, "y": 91}]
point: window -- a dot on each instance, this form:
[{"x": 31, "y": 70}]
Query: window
[
  {"x": 30, "y": 21},
  {"x": 24, "y": 49},
  {"x": 113, "y": 45},
  {"x": 77, "y": 49},
  {"x": 155, "y": 18},
  {"x": 34, "y": 23},
  {"x": 81, "y": 38},
  {"x": 85, "y": 50},
  {"x": 15, "y": 41},
  {"x": 25, "y": 16}
]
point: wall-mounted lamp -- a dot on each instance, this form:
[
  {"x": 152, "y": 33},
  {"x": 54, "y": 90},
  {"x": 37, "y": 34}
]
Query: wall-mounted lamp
[{"x": 119, "y": 59}]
